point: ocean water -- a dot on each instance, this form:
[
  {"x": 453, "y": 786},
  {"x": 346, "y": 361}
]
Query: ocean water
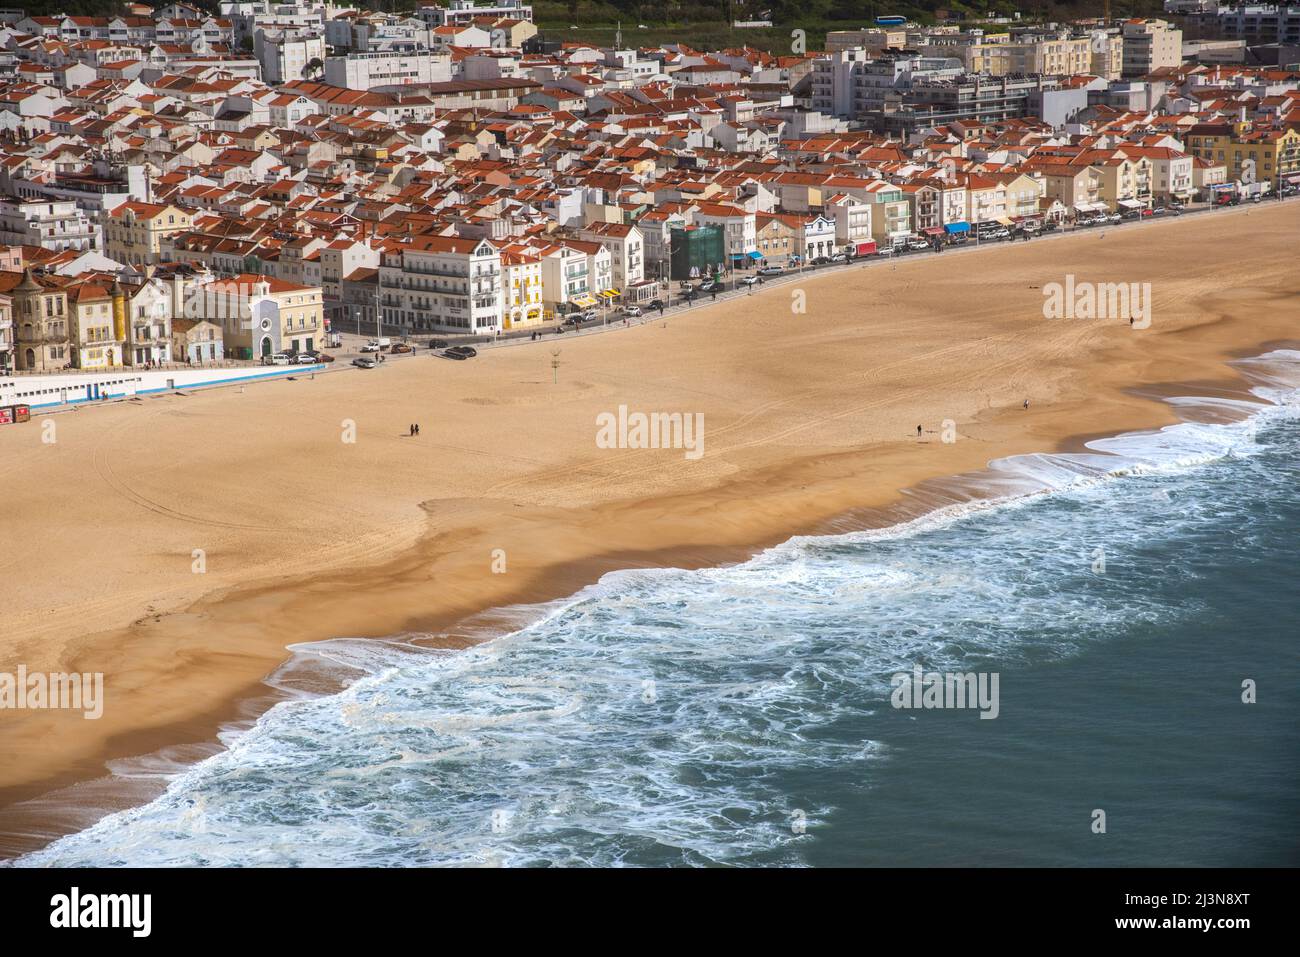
[{"x": 742, "y": 716}]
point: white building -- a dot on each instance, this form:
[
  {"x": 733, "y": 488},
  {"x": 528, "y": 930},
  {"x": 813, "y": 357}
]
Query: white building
[
  {"x": 366, "y": 71},
  {"x": 441, "y": 284},
  {"x": 55, "y": 225},
  {"x": 626, "y": 250},
  {"x": 286, "y": 52}
]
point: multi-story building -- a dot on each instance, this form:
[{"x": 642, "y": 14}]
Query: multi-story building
[
  {"x": 42, "y": 325},
  {"x": 55, "y": 225},
  {"x": 387, "y": 68},
  {"x": 134, "y": 231},
  {"x": 521, "y": 287},
  {"x": 566, "y": 276},
  {"x": 441, "y": 284},
  {"x": 462, "y": 12},
  {"x": 147, "y": 309},
  {"x": 1256, "y": 23},
  {"x": 738, "y": 229},
  {"x": 1150, "y": 45},
  {"x": 934, "y": 101},
  {"x": 626, "y": 249},
  {"x": 891, "y": 218},
  {"x": 97, "y": 335},
  {"x": 286, "y": 52},
  {"x": 852, "y": 218},
  {"x": 1250, "y": 153},
  {"x": 850, "y": 84}
]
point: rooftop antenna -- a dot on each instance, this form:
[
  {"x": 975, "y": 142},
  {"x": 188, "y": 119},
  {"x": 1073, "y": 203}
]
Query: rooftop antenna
[{"x": 618, "y": 36}]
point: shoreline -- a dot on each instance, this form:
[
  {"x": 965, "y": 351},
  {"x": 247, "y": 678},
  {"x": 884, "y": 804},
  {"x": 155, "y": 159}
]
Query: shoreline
[{"x": 731, "y": 517}]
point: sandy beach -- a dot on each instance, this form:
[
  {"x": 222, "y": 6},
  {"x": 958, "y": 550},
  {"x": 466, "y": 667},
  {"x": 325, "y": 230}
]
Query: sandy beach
[{"x": 809, "y": 425}]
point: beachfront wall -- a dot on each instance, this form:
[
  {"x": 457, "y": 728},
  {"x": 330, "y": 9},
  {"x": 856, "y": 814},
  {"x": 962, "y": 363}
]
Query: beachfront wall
[{"x": 53, "y": 391}]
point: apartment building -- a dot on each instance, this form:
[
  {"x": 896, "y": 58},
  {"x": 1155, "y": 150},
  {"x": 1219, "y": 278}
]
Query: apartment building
[
  {"x": 1150, "y": 45},
  {"x": 134, "y": 231},
  {"x": 55, "y": 225},
  {"x": 146, "y": 311},
  {"x": 566, "y": 276},
  {"x": 441, "y": 284},
  {"x": 934, "y": 101},
  {"x": 852, "y": 218},
  {"x": 1250, "y": 153},
  {"x": 891, "y": 216},
  {"x": 387, "y": 68},
  {"x": 626, "y": 249},
  {"x": 286, "y": 52},
  {"x": 739, "y": 230},
  {"x": 1171, "y": 172},
  {"x": 1255, "y": 23},
  {"x": 462, "y": 12},
  {"x": 521, "y": 288},
  {"x": 849, "y": 84},
  {"x": 97, "y": 339}
]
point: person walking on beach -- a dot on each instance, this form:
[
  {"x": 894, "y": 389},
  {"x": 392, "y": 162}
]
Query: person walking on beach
[
  {"x": 410, "y": 429},
  {"x": 1026, "y": 403},
  {"x": 417, "y": 428},
  {"x": 918, "y": 431}
]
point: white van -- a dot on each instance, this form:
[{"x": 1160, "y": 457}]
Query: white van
[{"x": 383, "y": 342}]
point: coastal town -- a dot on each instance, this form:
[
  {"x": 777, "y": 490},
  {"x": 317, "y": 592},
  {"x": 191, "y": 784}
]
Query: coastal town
[{"x": 190, "y": 197}]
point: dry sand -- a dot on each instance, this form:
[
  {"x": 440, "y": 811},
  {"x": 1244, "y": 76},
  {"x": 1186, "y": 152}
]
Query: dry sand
[{"x": 808, "y": 418}]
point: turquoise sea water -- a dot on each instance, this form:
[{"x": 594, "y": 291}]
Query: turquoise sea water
[{"x": 742, "y": 715}]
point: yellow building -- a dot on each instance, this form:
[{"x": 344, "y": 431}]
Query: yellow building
[
  {"x": 134, "y": 231},
  {"x": 98, "y": 332},
  {"x": 521, "y": 288},
  {"x": 1250, "y": 153}
]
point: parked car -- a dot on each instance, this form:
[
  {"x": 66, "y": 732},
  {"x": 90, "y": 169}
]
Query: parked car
[
  {"x": 821, "y": 260},
  {"x": 305, "y": 358},
  {"x": 655, "y": 304},
  {"x": 771, "y": 271},
  {"x": 918, "y": 244},
  {"x": 438, "y": 343},
  {"x": 460, "y": 352},
  {"x": 324, "y": 357},
  {"x": 277, "y": 359},
  {"x": 748, "y": 280},
  {"x": 840, "y": 258},
  {"x": 363, "y": 362},
  {"x": 632, "y": 312},
  {"x": 399, "y": 347},
  {"x": 709, "y": 286},
  {"x": 371, "y": 347}
]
